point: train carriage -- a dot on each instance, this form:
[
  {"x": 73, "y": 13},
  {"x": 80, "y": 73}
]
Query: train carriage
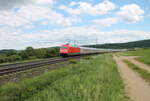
[{"x": 68, "y": 50}]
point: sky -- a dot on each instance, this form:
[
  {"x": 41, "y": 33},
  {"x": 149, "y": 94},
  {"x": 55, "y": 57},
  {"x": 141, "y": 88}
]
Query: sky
[{"x": 46, "y": 23}]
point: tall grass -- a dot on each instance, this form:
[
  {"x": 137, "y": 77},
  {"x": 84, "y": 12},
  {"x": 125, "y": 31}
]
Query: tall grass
[
  {"x": 96, "y": 79},
  {"x": 26, "y": 88}
]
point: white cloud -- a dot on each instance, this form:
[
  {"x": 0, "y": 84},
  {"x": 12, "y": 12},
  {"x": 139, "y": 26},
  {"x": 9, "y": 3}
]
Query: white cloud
[
  {"x": 44, "y": 1},
  {"x": 131, "y": 13},
  {"x": 30, "y": 13},
  {"x": 87, "y": 8},
  {"x": 14, "y": 38},
  {"x": 11, "y": 19},
  {"x": 73, "y": 3},
  {"x": 106, "y": 22},
  {"x": 9, "y": 4}
]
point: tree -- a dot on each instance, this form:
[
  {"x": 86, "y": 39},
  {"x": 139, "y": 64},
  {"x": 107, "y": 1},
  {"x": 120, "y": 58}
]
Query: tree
[
  {"x": 11, "y": 52},
  {"x": 3, "y": 58},
  {"x": 30, "y": 51},
  {"x": 24, "y": 55},
  {"x": 40, "y": 53},
  {"x": 52, "y": 52}
]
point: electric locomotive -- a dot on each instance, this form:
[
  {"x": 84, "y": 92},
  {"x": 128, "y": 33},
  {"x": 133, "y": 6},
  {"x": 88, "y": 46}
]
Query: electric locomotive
[{"x": 68, "y": 50}]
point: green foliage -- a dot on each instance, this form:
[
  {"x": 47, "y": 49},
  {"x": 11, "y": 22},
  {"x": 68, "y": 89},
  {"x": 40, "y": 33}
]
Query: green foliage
[
  {"x": 7, "y": 51},
  {"x": 14, "y": 58},
  {"x": 28, "y": 54},
  {"x": 93, "y": 80},
  {"x": 11, "y": 52},
  {"x": 30, "y": 51},
  {"x": 3, "y": 58},
  {"x": 136, "y": 44},
  {"x": 87, "y": 57},
  {"x": 52, "y": 52},
  {"x": 24, "y": 55},
  {"x": 73, "y": 61},
  {"x": 41, "y": 53}
]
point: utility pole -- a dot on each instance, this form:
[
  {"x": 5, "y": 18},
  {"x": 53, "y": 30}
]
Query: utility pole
[
  {"x": 96, "y": 42},
  {"x": 68, "y": 41}
]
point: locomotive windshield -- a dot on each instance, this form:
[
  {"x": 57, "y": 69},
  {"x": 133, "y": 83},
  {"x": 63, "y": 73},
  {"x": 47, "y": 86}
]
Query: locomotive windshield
[{"x": 64, "y": 47}]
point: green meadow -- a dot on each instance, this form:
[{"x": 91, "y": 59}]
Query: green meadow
[{"x": 90, "y": 79}]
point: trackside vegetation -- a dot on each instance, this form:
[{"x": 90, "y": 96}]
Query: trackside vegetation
[
  {"x": 144, "y": 74},
  {"x": 90, "y": 79},
  {"x": 9, "y": 56},
  {"x": 144, "y": 53}
]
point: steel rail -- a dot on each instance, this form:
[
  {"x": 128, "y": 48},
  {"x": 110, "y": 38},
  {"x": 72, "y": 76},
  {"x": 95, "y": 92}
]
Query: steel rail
[
  {"x": 12, "y": 68},
  {"x": 14, "y": 64},
  {"x": 24, "y": 66}
]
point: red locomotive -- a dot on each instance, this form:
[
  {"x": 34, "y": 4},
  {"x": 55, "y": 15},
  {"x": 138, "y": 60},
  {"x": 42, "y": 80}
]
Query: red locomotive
[{"x": 67, "y": 50}]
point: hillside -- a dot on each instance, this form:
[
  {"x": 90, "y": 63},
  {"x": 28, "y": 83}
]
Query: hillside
[
  {"x": 7, "y": 51},
  {"x": 134, "y": 44}
]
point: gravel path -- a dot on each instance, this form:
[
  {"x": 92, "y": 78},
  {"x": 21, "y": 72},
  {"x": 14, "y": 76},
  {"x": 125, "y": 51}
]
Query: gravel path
[
  {"x": 137, "y": 89},
  {"x": 137, "y": 63}
]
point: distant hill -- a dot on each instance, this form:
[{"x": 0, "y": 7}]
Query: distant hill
[
  {"x": 134, "y": 44},
  {"x": 5, "y": 51}
]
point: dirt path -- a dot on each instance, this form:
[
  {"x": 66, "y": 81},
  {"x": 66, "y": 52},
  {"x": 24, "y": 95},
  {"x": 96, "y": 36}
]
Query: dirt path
[
  {"x": 137, "y": 63},
  {"x": 136, "y": 88}
]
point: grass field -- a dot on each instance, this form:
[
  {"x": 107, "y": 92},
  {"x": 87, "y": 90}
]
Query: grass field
[
  {"x": 144, "y": 74},
  {"x": 144, "y": 53},
  {"x": 90, "y": 79}
]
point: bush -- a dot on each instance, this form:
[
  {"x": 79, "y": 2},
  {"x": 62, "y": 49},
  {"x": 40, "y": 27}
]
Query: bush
[
  {"x": 40, "y": 53},
  {"x": 52, "y": 52},
  {"x": 3, "y": 58},
  {"x": 14, "y": 58},
  {"x": 87, "y": 58},
  {"x": 24, "y": 55},
  {"x": 11, "y": 52},
  {"x": 29, "y": 53},
  {"x": 73, "y": 61}
]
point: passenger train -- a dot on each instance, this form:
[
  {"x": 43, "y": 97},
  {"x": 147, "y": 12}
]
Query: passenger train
[{"x": 68, "y": 50}]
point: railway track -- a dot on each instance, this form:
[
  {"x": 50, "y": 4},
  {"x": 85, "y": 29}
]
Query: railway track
[{"x": 12, "y": 68}]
